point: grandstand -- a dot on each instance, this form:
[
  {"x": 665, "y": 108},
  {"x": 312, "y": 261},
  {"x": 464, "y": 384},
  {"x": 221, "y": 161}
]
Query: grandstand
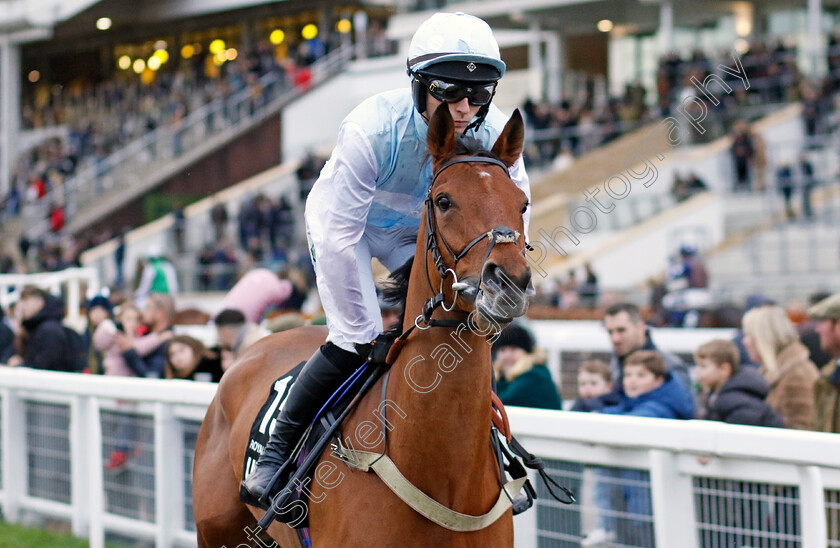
[{"x": 656, "y": 131}]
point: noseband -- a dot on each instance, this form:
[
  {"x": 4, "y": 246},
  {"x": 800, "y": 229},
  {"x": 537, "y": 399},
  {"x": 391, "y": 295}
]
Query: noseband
[{"x": 499, "y": 235}]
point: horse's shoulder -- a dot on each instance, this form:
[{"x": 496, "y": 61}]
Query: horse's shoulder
[{"x": 265, "y": 361}]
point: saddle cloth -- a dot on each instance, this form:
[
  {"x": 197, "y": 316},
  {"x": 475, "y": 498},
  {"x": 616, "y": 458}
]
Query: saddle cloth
[{"x": 270, "y": 410}]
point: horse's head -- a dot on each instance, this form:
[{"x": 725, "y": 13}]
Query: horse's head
[{"x": 474, "y": 225}]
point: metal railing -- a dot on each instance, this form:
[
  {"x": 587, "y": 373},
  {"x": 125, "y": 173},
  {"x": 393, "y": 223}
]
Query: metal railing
[
  {"x": 72, "y": 283},
  {"x": 133, "y": 164}
]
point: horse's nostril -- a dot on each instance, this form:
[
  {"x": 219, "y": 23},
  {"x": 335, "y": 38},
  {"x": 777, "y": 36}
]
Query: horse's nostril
[
  {"x": 491, "y": 274},
  {"x": 498, "y": 278}
]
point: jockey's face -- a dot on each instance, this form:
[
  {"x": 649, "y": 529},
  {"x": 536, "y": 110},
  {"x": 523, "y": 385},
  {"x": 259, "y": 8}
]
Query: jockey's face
[{"x": 462, "y": 112}]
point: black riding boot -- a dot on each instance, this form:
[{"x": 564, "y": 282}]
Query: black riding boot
[{"x": 325, "y": 371}]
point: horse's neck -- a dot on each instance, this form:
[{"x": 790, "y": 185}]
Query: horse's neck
[{"x": 441, "y": 381}]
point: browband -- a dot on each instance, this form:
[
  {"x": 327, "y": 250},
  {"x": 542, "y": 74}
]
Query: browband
[{"x": 470, "y": 159}]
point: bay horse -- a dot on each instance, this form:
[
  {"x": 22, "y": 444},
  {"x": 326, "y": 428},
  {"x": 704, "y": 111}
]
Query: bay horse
[{"x": 439, "y": 391}]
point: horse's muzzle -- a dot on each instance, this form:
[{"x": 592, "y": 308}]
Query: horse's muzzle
[{"x": 500, "y": 298}]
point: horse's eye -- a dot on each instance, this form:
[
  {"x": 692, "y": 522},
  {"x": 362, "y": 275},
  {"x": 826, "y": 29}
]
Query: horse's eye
[
  {"x": 525, "y": 208},
  {"x": 443, "y": 203}
]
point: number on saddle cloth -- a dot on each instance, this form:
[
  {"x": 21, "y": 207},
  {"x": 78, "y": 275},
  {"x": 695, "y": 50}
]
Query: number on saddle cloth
[
  {"x": 264, "y": 423},
  {"x": 324, "y": 425}
]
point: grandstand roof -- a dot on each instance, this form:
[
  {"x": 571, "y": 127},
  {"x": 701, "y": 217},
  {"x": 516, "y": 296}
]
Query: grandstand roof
[{"x": 581, "y": 16}]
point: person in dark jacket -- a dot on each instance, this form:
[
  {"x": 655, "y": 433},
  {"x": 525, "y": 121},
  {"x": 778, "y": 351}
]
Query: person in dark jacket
[
  {"x": 732, "y": 393},
  {"x": 7, "y": 340},
  {"x": 47, "y": 345},
  {"x": 522, "y": 377}
]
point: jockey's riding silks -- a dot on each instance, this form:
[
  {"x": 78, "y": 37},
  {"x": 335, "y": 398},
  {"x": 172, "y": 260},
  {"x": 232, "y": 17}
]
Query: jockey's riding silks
[{"x": 368, "y": 202}]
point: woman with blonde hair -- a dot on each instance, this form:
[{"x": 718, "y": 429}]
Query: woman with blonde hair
[{"x": 773, "y": 343}]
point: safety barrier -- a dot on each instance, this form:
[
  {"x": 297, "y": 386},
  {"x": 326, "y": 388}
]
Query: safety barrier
[{"x": 689, "y": 483}]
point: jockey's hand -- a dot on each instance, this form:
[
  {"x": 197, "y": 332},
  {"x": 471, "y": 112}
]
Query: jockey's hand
[{"x": 15, "y": 361}]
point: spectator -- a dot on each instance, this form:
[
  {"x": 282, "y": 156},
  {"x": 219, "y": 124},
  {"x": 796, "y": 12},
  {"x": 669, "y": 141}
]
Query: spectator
[
  {"x": 806, "y": 169},
  {"x": 146, "y": 355},
  {"x": 687, "y": 285},
  {"x": 588, "y": 292},
  {"x": 300, "y": 288},
  {"x": 7, "y": 339},
  {"x": 827, "y": 387},
  {"x": 595, "y": 382},
  {"x": 47, "y": 344},
  {"x": 159, "y": 276},
  {"x": 219, "y": 216},
  {"x": 785, "y": 185},
  {"x": 743, "y": 154},
  {"x": 235, "y": 333},
  {"x": 808, "y": 331},
  {"x": 628, "y": 333},
  {"x": 104, "y": 339},
  {"x": 649, "y": 390},
  {"x": 98, "y": 310},
  {"x": 731, "y": 393},
  {"x": 772, "y": 342},
  {"x": 188, "y": 358},
  {"x": 119, "y": 259},
  {"x": 256, "y": 292},
  {"x": 179, "y": 224},
  {"x": 522, "y": 378},
  {"x": 114, "y": 364}
]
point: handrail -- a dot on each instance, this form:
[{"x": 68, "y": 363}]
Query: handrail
[{"x": 125, "y": 167}]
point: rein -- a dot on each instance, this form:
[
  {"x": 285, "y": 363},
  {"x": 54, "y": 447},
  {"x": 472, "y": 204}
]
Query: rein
[{"x": 499, "y": 235}]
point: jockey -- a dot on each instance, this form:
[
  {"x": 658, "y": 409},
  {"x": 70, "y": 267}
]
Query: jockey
[{"x": 368, "y": 203}]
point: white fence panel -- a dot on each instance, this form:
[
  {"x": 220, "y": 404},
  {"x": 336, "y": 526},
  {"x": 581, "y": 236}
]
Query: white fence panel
[{"x": 697, "y": 484}]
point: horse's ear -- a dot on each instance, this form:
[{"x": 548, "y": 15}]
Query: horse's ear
[
  {"x": 508, "y": 146},
  {"x": 441, "y": 134}
]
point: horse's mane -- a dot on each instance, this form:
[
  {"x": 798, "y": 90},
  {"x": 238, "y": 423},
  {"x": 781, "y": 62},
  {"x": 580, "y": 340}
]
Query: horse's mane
[
  {"x": 395, "y": 288},
  {"x": 470, "y": 146}
]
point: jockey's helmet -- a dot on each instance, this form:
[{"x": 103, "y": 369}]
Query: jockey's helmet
[{"x": 455, "y": 55}]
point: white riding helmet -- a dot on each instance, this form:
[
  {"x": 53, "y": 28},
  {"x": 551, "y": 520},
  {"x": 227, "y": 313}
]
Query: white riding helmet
[
  {"x": 454, "y": 37},
  {"x": 455, "y": 47}
]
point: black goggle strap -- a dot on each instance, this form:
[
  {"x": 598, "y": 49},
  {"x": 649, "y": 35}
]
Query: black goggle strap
[{"x": 427, "y": 82}]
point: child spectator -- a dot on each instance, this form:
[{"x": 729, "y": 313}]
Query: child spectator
[
  {"x": 104, "y": 339},
  {"x": 731, "y": 393},
  {"x": 188, "y": 358},
  {"x": 649, "y": 391},
  {"x": 594, "y": 381}
]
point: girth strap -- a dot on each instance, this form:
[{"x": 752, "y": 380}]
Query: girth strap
[{"x": 422, "y": 503}]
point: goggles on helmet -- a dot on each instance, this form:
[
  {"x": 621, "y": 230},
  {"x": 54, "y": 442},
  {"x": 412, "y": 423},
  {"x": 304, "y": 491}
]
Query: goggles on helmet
[{"x": 452, "y": 92}]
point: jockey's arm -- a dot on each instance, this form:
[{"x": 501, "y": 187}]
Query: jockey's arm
[{"x": 336, "y": 216}]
